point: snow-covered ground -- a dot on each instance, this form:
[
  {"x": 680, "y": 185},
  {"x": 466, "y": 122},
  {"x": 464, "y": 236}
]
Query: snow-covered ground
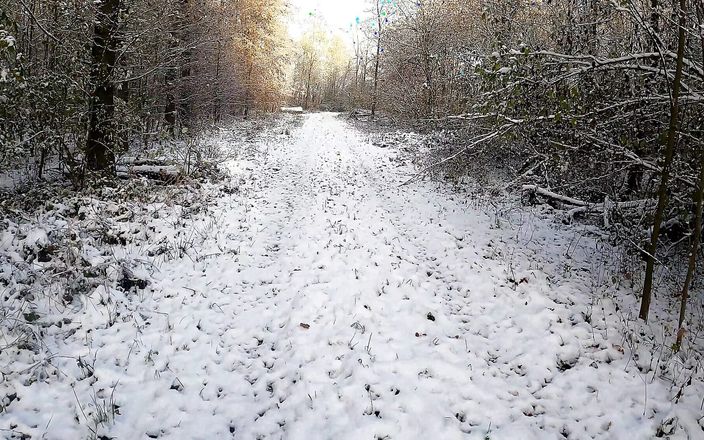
[{"x": 320, "y": 300}]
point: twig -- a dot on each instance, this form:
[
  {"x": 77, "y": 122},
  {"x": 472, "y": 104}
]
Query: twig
[
  {"x": 31, "y": 14},
  {"x": 482, "y": 139}
]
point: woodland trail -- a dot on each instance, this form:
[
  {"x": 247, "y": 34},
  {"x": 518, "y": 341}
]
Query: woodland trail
[
  {"x": 353, "y": 308},
  {"x": 326, "y": 302}
]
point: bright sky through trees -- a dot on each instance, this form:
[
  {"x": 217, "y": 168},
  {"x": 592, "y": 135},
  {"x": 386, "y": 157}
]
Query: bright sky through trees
[{"x": 334, "y": 15}]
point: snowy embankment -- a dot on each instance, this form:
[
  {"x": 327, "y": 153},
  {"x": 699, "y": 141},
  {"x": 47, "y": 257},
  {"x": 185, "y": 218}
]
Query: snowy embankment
[{"x": 312, "y": 297}]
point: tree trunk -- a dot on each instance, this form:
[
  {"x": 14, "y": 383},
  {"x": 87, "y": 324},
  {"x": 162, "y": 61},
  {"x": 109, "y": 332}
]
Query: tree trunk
[
  {"x": 654, "y": 23},
  {"x": 170, "y": 109},
  {"x": 672, "y": 137},
  {"x": 699, "y": 197},
  {"x": 310, "y": 73},
  {"x": 102, "y": 137},
  {"x": 217, "y": 103},
  {"x": 184, "y": 102},
  {"x": 375, "y": 98},
  {"x": 178, "y": 65},
  {"x": 247, "y": 95}
]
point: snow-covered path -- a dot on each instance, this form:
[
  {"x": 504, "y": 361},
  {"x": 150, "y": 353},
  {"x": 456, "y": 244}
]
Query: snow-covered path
[
  {"x": 329, "y": 303},
  {"x": 414, "y": 330}
]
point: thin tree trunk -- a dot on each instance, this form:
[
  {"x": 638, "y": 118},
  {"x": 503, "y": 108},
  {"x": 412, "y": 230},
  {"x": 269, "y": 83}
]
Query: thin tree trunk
[
  {"x": 694, "y": 250},
  {"x": 183, "y": 91},
  {"x": 375, "y": 98},
  {"x": 363, "y": 84},
  {"x": 42, "y": 162},
  {"x": 170, "y": 107},
  {"x": 670, "y": 146},
  {"x": 174, "y": 72},
  {"x": 247, "y": 96},
  {"x": 654, "y": 23},
  {"x": 218, "y": 99},
  {"x": 310, "y": 73},
  {"x": 184, "y": 101}
]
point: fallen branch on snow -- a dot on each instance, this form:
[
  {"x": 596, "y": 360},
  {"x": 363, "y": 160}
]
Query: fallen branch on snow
[
  {"x": 582, "y": 207},
  {"x": 166, "y": 173},
  {"x": 502, "y": 130}
]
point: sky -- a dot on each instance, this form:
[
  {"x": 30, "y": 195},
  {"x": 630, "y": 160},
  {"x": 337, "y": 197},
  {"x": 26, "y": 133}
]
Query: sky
[{"x": 336, "y": 15}]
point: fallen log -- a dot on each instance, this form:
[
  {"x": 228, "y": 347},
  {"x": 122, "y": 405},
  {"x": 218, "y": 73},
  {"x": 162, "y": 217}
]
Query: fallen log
[
  {"x": 582, "y": 207},
  {"x": 551, "y": 195},
  {"x": 149, "y": 168},
  {"x": 292, "y": 110}
]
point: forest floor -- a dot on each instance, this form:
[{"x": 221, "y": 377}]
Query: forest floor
[{"x": 310, "y": 296}]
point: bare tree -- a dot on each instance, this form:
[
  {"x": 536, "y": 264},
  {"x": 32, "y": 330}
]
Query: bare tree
[
  {"x": 669, "y": 154},
  {"x": 379, "y": 9},
  {"x": 694, "y": 250}
]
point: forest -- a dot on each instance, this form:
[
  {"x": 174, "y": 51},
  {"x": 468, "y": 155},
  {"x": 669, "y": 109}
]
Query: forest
[
  {"x": 501, "y": 203},
  {"x": 97, "y": 75}
]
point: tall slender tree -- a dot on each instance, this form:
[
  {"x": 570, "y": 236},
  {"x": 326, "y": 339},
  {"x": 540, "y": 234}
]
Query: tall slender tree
[
  {"x": 669, "y": 154},
  {"x": 379, "y": 17},
  {"x": 693, "y": 252}
]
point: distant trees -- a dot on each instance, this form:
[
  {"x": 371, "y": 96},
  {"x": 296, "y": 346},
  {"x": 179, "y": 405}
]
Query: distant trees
[
  {"x": 321, "y": 71},
  {"x": 329, "y": 74},
  {"x": 427, "y": 54},
  {"x": 307, "y": 70},
  {"x": 80, "y": 80}
]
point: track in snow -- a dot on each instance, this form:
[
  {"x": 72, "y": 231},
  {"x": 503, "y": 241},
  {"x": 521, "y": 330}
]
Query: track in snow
[{"x": 424, "y": 317}]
